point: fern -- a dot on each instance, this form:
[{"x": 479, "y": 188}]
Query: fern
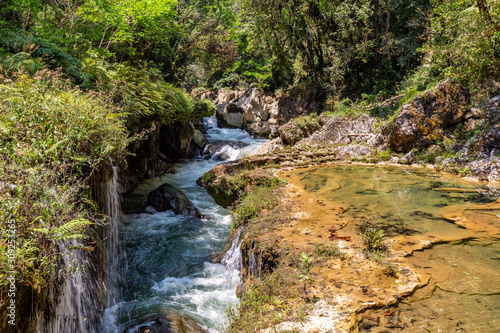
[{"x": 13, "y": 41}]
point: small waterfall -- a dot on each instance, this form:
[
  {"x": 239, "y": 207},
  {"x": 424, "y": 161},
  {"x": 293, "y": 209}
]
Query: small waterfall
[
  {"x": 77, "y": 305},
  {"x": 113, "y": 197},
  {"x": 233, "y": 258}
]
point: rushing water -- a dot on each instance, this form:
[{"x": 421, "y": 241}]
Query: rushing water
[
  {"x": 165, "y": 266},
  {"x": 463, "y": 293}
]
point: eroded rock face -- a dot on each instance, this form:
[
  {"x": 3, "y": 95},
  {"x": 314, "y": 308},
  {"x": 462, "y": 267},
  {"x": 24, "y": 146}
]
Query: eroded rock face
[
  {"x": 294, "y": 131},
  {"x": 258, "y": 113},
  {"x": 430, "y": 117},
  {"x": 341, "y": 131},
  {"x": 167, "y": 197}
]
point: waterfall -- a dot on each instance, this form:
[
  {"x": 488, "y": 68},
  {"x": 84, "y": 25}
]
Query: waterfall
[
  {"x": 233, "y": 258},
  {"x": 113, "y": 197},
  {"x": 78, "y": 297}
]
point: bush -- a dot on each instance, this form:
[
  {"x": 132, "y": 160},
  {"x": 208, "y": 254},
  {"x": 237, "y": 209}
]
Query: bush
[
  {"x": 252, "y": 203},
  {"x": 53, "y": 140},
  {"x": 372, "y": 237}
]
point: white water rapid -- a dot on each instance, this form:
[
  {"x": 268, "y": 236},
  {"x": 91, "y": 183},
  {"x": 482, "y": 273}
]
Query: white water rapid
[{"x": 167, "y": 266}]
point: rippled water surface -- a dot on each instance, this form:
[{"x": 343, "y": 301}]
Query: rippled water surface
[{"x": 165, "y": 262}]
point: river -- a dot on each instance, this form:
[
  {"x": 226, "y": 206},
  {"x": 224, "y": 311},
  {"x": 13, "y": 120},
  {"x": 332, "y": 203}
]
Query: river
[{"x": 164, "y": 263}]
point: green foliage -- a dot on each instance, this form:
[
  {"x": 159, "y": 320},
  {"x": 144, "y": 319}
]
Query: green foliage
[
  {"x": 254, "y": 202},
  {"x": 373, "y": 237},
  {"x": 465, "y": 40},
  {"x": 266, "y": 302},
  {"x": 347, "y": 108},
  {"x": 41, "y": 49},
  {"x": 146, "y": 98},
  {"x": 327, "y": 251},
  {"x": 53, "y": 140}
]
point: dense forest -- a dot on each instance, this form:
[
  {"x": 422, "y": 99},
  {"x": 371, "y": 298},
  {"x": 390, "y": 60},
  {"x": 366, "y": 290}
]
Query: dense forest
[{"x": 81, "y": 80}]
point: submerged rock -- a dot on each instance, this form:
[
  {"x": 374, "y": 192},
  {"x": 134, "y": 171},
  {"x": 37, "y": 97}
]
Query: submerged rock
[
  {"x": 213, "y": 146},
  {"x": 167, "y": 197},
  {"x": 165, "y": 323}
]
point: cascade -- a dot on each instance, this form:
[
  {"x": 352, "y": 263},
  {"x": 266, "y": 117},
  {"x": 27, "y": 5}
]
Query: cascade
[
  {"x": 168, "y": 268},
  {"x": 113, "y": 197}
]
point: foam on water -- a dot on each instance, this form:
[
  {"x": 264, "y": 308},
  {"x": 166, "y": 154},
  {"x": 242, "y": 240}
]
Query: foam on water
[{"x": 168, "y": 266}]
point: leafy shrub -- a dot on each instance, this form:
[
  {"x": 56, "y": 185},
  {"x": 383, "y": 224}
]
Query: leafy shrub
[
  {"x": 145, "y": 98},
  {"x": 253, "y": 203},
  {"x": 53, "y": 140},
  {"x": 16, "y": 41},
  {"x": 372, "y": 237}
]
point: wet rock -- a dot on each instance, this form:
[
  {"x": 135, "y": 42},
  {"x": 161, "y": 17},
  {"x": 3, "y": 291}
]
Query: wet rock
[
  {"x": 134, "y": 204},
  {"x": 165, "y": 323},
  {"x": 428, "y": 117},
  {"x": 213, "y": 146},
  {"x": 147, "y": 159},
  {"x": 199, "y": 139},
  {"x": 167, "y": 197},
  {"x": 221, "y": 150},
  {"x": 180, "y": 324},
  {"x": 240, "y": 289},
  {"x": 230, "y": 115},
  {"x": 216, "y": 257}
]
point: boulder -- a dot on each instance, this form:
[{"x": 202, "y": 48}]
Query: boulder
[
  {"x": 268, "y": 147},
  {"x": 429, "y": 117},
  {"x": 409, "y": 158},
  {"x": 338, "y": 130},
  {"x": 167, "y": 197},
  {"x": 258, "y": 113},
  {"x": 296, "y": 130},
  {"x": 216, "y": 147},
  {"x": 230, "y": 115},
  {"x": 240, "y": 289},
  {"x": 199, "y": 139},
  {"x": 165, "y": 323}
]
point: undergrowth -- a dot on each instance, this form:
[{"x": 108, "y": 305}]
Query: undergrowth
[{"x": 53, "y": 140}]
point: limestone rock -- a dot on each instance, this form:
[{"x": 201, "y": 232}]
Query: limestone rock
[
  {"x": 268, "y": 147},
  {"x": 352, "y": 151},
  {"x": 341, "y": 131},
  {"x": 294, "y": 131},
  {"x": 240, "y": 290},
  {"x": 428, "y": 117},
  {"x": 409, "y": 158},
  {"x": 167, "y": 197},
  {"x": 230, "y": 115},
  {"x": 259, "y": 113}
]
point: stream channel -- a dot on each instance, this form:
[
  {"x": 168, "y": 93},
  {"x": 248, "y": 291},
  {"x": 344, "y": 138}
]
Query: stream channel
[{"x": 164, "y": 265}]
